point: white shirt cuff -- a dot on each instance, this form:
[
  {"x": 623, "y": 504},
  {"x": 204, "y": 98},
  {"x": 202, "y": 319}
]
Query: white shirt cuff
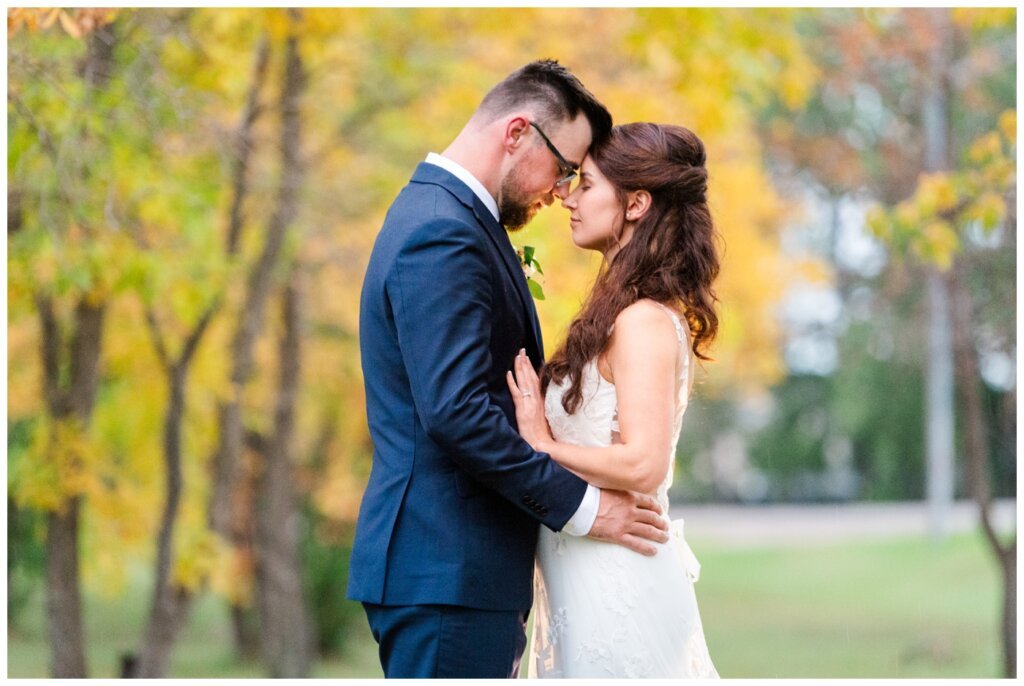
[{"x": 581, "y": 522}]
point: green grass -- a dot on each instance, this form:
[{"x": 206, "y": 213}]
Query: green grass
[
  {"x": 897, "y": 608},
  {"x": 204, "y": 648}
]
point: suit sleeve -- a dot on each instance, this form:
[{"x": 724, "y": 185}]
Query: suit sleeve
[{"x": 440, "y": 290}]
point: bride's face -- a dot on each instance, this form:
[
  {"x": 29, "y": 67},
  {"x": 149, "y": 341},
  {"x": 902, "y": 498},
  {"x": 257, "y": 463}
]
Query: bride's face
[{"x": 596, "y": 215}]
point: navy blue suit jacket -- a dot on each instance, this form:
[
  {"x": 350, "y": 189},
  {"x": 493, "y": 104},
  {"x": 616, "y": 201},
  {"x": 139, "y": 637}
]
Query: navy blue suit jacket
[{"x": 451, "y": 509}]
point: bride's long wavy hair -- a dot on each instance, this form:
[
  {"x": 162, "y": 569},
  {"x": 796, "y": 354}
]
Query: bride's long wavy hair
[{"x": 671, "y": 258}]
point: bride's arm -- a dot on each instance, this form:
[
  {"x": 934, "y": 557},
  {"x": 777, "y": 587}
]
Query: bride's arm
[{"x": 642, "y": 355}]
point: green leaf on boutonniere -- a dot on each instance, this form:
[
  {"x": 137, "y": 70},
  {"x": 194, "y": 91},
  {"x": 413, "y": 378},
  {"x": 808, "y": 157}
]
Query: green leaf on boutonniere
[
  {"x": 528, "y": 252},
  {"x": 535, "y": 289},
  {"x": 531, "y": 265}
]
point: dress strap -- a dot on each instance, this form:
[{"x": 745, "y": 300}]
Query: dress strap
[
  {"x": 675, "y": 320},
  {"x": 684, "y": 347}
]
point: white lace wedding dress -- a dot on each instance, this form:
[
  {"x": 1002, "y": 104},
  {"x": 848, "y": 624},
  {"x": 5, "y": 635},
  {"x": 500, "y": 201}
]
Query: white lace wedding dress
[{"x": 601, "y": 610}]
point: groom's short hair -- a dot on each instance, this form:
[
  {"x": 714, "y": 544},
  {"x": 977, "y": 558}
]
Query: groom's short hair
[{"x": 557, "y": 94}]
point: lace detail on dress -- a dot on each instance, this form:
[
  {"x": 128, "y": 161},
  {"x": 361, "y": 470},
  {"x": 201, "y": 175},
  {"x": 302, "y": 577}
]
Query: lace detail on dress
[
  {"x": 607, "y": 654},
  {"x": 602, "y": 610}
]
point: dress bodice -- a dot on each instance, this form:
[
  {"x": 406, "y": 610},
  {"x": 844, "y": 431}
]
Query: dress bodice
[
  {"x": 595, "y": 423},
  {"x": 601, "y": 609}
]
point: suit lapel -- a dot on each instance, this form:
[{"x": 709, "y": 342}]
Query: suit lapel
[
  {"x": 501, "y": 241},
  {"x": 431, "y": 173}
]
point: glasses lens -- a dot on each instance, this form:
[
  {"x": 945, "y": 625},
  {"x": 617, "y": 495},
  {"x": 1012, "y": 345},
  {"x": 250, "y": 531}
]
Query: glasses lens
[{"x": 568, "y": 176}]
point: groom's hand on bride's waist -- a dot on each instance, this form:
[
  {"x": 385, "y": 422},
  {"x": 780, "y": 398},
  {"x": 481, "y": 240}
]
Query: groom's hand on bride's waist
[{"x": 630, "y": 519}]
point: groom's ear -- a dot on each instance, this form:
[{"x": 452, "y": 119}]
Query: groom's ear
[
  {"x": 638, "y": 203},
  {"x": 515, "y": 130}
]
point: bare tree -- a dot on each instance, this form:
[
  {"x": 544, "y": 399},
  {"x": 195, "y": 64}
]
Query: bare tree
[
  {"x": 70, "y": 398},
  {"x": 939, "y": 413},
  {"x": 976, "y": 449},
  {"x": 171, "y": 604},
  {"x": 284, "y": 618},
  {"x": 285, "y": 645},
  {"x": 72, "y": 401}
]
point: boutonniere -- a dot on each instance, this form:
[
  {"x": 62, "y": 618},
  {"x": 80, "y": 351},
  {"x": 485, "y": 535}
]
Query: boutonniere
[{"x": 531, "y": 267}]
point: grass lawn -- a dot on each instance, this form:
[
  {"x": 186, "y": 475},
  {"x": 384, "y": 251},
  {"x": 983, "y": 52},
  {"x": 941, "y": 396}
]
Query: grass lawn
[{"x": 894, "y": 608}]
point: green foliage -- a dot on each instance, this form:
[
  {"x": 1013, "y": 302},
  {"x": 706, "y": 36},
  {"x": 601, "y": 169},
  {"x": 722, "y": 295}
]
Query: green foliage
[
  {"x": 793, "y": 444},
  {"x": 25, "y": 533},
  {"x": 325, "y": 565}
]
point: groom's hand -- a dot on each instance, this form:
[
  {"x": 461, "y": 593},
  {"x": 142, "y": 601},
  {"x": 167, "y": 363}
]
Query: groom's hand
[{"x": 631, "y": 520}]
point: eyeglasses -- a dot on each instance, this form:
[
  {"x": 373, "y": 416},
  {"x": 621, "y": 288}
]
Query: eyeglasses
[{"x": 568, "y": 170}]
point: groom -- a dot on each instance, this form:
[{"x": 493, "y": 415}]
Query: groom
[{"x": 444, "y": 546}]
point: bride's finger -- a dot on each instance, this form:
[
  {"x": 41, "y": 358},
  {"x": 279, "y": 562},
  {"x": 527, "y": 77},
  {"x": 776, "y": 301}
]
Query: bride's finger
[
  {"x": 534, "y": 380},
  {"x": 522, "y": 379},
  {"x": 513, "y": 388},
  {"x": 527, "y": 367},
  {"x": 533, "y": 377}
]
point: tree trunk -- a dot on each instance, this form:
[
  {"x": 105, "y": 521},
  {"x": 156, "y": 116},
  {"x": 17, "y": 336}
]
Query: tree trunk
[
  {"x": 246, "y": 632},
  {"x": 73, "y": 403},
  {"x": 170, "y": 604},
  {"x": 939, "y": 403},
  {"x": 977, "y": 453},
  {"x": 63, "y": 598},
  {"x": 1009, "y": 617},
  {"x": 228, "y": 453},
  {"x": 293, "y": 659},
  {"x": 244, "y": 614},
  {"x": 939, "y": 409},
  {"x": 284, "y": 617}
]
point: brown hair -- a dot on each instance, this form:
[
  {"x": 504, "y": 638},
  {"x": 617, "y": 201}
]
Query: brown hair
[
  {"x": 672, "y": 257},
  {"x": 557, "y": 93}
]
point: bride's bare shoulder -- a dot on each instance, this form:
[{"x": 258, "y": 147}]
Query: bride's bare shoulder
[
  {"x": 643, "y": 312},
  {"x": 645, "y": 320}
]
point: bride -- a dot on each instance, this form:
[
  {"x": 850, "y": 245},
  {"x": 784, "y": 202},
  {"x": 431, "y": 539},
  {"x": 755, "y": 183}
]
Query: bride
[{"x": 614, "y": 396}]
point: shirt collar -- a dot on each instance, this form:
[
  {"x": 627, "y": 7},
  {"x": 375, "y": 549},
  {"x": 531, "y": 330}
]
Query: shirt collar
[{"x": 462, "y": 175}]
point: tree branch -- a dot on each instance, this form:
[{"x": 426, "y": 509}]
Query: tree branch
[
  {"x": 243, "y": 151},
  {"x": 45, "y": 139},
  {"x": 158, "y": 339},
  {"x": 192, "y": 342},
  {"x": 50, "y": 350}
]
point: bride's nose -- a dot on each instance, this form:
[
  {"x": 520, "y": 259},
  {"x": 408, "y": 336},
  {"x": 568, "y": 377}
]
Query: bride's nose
[{"x": 569, "y": 202}]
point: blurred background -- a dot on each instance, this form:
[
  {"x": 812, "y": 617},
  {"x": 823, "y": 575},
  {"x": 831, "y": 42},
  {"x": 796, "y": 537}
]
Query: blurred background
[{"x": 192, "y": 196}]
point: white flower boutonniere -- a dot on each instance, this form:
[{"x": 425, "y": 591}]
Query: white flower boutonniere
[{"x": 531, "y": 267}]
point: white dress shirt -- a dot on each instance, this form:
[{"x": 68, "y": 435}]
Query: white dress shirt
[{"x": 581, "y": 522}]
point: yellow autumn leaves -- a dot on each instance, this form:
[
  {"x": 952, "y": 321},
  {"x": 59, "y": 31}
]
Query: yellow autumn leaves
[{"x": 930, "y": 224}]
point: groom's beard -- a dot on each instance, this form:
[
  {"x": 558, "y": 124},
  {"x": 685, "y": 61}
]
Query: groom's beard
[{"x": 513, "y": 211}]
